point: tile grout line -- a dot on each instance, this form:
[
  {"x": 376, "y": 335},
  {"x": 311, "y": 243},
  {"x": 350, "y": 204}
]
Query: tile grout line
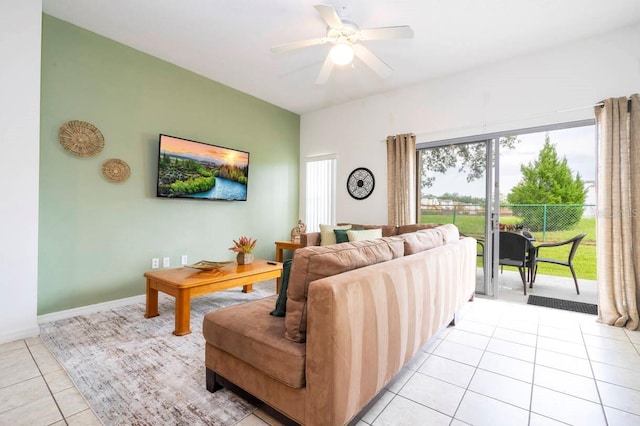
[
  {"x": 533, "y": 373},
  {"x": 55, "y": 401},
  {"x": 431, "y": 354},
  {"x": 397, "y": 394},
  {"x": 23, "y": 380},
  {"x": 453, "y": 417},
  {"x": 595, "y": 381}
]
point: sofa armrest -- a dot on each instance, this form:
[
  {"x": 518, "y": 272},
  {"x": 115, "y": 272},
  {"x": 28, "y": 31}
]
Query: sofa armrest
[{"x": 310, "y": 239}]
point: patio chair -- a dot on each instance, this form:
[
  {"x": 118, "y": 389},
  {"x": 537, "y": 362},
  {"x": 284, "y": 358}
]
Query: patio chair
[
  {"x": 479, "y": 243},
  {"x": 575, "y": 242},
  {"x": 514, "y": 251}
]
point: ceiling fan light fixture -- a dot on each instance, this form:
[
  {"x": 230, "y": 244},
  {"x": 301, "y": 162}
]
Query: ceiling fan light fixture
[
  {"x": 342, "y": 54},
  {"x": 345, "y": 35}
]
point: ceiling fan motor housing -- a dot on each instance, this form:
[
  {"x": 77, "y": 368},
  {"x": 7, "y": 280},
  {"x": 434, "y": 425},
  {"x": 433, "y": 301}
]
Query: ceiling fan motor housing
[{"x": 349, "y": 33}]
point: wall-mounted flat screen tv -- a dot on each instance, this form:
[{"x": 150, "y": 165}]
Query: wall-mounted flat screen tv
[{"x": 190, "y": 169}]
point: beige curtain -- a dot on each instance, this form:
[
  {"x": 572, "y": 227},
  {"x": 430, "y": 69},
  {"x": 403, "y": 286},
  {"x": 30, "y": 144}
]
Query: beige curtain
[
  {"x": 618, "y": 224},
  {"x": 401, "y": 179}
]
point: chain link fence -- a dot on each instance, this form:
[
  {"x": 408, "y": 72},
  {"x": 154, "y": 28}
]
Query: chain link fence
[{"x": 540, "y": 218}]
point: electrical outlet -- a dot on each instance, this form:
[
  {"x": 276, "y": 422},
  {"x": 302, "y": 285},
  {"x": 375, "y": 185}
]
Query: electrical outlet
[
  {"x": 166, "y": 262},
  {"x": 155, "y": 263},
  {"x": 183, "y": 260}
]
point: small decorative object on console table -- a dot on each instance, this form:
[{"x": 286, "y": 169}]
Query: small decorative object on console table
[
  {"x": 244, "y": 258},
  {"x": 244, "y": 247},
  {"x": 301, "y": 228},
  {"x": 207, "y": 265}
]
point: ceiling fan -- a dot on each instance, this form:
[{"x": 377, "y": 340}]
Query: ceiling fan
[{"x": 345, "y": 35}]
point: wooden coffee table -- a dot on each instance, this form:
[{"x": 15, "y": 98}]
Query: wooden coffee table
[{"x": 185, "y": 283}]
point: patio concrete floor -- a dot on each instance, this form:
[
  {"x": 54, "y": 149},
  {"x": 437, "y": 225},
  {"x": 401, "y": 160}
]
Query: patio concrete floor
[{"x": 510, "y": 288}]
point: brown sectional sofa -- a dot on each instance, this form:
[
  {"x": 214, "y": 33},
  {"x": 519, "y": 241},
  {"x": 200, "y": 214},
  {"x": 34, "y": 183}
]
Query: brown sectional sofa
[{"x": 356, "y": 314}]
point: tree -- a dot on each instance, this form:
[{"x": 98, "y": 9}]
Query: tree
[
  {"x": 468, "y": 158},
  {"x": 548, "y": 180}
]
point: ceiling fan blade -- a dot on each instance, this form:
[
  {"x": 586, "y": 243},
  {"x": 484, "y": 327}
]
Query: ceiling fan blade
[
  {"x": 372, "y": 61},
  {"x": 387, "y": 33},
  {"x": 329, "y": 15},
  {"x": 325, "y": 71},
  {"x": 297, "y": 45}
]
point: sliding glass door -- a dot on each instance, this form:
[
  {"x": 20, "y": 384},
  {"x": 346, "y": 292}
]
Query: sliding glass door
[{"x": 459, "y": 184}]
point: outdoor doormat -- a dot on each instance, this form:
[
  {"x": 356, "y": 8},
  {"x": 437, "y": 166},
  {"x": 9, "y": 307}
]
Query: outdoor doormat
[{"x": 567, "y": 305}]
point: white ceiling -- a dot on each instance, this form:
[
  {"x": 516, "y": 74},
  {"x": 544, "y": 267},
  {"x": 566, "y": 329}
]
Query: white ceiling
[{"x": 228, "y": 40}]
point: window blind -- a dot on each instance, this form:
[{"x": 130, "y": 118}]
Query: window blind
[{"x": 320, "y": 192}]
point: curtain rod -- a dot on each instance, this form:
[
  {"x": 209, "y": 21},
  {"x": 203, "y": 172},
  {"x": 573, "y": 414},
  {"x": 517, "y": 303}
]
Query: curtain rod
[
  {"x": 599, "y": 104},
  {"x": 511, "y": 120},
  {"x": 473, "y": 126}
]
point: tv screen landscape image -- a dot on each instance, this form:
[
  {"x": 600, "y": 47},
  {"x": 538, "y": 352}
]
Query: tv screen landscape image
[{"x": 190, "y": 169}]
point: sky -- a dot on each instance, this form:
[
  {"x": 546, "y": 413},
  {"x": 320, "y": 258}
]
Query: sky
[
  {"x": 224, "y": 155},
  {"x": 576, "y": 144}
]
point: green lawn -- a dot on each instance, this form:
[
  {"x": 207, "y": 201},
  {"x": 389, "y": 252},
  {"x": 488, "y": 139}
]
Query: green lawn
[{"x": 584, "y": 261}]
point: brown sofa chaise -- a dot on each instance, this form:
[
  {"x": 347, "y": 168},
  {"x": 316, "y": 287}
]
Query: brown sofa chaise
[{"x": 356, "y": 314}]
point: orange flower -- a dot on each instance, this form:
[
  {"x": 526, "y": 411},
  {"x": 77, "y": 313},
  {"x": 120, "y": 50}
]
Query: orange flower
[{"x": 243, "y": 245}]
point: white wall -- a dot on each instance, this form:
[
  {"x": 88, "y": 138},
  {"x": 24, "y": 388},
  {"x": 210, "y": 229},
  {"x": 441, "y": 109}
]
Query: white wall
[
  {"x": 526, "y": 91},
  {"x": 20, "y": 38}
]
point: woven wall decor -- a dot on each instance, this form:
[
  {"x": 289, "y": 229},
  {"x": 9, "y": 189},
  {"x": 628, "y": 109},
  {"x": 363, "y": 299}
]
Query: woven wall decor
[
  {"x": 81, "y": 138},
  {"x": 116, "y": 170}
]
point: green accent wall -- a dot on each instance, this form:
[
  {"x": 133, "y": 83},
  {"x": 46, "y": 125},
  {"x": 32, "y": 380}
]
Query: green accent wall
[{"x": 97, "y": 238}]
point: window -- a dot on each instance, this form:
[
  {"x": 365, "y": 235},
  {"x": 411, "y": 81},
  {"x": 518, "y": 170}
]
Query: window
[{"x": 320, "y": 194}]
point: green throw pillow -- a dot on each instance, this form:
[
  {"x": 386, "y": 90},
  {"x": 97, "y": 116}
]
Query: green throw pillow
[
  {"x": 281, "y": 302},
  {"x": 327, "y": 237},
  {"x": 341, "y": 234}
]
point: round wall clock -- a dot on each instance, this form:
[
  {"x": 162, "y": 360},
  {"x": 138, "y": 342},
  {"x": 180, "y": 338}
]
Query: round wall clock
[{"x": 360, "y": 183}]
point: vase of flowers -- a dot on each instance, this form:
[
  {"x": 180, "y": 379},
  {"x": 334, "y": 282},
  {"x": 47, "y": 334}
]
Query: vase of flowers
[{"x": 244, "y": 247}]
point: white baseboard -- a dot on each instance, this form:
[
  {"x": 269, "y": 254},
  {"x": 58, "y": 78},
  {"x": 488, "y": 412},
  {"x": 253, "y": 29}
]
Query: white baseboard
[
  {"x": 89, "y": 309},
  {"x": 23, "y": 333}
]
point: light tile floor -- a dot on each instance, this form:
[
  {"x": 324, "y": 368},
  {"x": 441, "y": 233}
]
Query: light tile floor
[
  {"x": 35, "y": 390},
  {"x": 502, "y": 364},
  {"x": 513, "y": 364}
]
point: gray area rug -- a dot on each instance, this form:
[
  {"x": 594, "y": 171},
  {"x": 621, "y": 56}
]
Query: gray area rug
[{"x": 133, "y": 370}]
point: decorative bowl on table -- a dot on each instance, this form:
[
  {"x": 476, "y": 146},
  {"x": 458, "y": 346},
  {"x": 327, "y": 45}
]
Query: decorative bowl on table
[{"x": 207, "y": 265}]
